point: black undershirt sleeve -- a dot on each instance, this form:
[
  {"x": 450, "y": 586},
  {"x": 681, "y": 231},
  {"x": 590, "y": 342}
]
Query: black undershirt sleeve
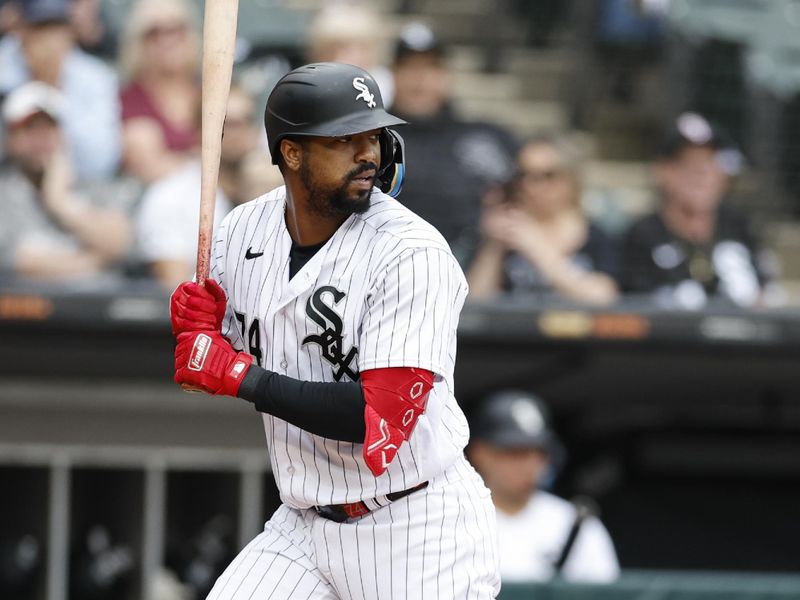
[{"x": 333, "y": 410}]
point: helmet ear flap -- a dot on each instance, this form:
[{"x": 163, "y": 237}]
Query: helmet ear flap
[{"x": 392, "y": 170}]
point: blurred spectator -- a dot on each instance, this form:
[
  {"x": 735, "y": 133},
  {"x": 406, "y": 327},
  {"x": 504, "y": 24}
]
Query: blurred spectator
[
  {"x": 349, "y": 33},
  {"x": 536, "y": 237},
  {"x": 540, "y": 536},
  {"x": 92, "y": 31},
  {"x": 10, "y": 17},
  {"x": 161, "y": 101},
  {"x": 44, "y": 49},
  {"x": 49, "y": 228},
  {"x": 167, "y": 222},
  {"x": 450, "y": 162},
  {"x": 695, "y": 246}
]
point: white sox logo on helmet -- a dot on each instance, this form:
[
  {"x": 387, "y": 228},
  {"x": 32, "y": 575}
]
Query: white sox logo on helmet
[{"x": 365, "y": 94}]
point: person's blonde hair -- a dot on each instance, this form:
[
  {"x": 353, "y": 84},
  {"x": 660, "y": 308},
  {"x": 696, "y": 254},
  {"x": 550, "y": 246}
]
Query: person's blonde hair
[
  {"x": 143, "y": 14},
  {"x": 343, "y": 23}
]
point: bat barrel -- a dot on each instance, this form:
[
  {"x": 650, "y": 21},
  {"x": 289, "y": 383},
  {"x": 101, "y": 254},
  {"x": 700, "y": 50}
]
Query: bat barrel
[{"x": 219, "y": 39}]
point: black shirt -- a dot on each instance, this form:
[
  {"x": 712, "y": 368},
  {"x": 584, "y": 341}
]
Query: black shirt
[
  {"x": 727, "y": 266},
  {"x": 300, "y": 255},
  {"x": 598, "y": 253}
]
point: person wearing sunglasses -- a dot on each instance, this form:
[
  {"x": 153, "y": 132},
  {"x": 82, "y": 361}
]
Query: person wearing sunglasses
[{"x": 536, "y": 238}]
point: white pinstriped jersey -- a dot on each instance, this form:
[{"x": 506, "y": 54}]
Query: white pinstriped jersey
[{"x": 384, "y": 291}]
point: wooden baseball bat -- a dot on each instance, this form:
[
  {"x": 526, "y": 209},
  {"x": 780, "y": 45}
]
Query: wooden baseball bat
[{"x": 219, "y": 39}]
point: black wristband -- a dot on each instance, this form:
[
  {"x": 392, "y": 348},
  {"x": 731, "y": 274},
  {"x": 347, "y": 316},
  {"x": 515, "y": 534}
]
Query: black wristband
[{"x": 333, "y": 410}]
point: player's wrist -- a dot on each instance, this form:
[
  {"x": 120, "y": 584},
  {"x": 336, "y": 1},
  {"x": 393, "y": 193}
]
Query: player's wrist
[{"x": 235, "y": 373}]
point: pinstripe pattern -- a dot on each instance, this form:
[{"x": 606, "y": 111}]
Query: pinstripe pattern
[
  {"x": 403, "y": 295},
  {"x": 384, "y": 291},
  {"x": 278, "y": 563},
  {"x": 433, "y": 544}
]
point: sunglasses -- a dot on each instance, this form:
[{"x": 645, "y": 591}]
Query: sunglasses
[
  {"x": 157, "y": 31},
  {"x": 540, "y": 175}
]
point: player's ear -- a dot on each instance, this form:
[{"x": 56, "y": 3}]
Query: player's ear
[{"x": 292, "y": 153}]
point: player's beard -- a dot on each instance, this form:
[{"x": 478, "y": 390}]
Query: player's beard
[{"x": 330, "y": 201}]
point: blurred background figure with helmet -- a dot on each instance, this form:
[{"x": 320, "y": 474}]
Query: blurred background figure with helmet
[{"x": 540, "y": 535}]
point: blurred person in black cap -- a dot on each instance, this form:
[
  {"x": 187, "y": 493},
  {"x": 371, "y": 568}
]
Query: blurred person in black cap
[
  {"x": 540, "y": 536},
  {"x": 695, "y": 247},
  {"x": 451, "y": 162},
  {"x": 43, "y": 48},
  {"x": 51, "y": 229}
]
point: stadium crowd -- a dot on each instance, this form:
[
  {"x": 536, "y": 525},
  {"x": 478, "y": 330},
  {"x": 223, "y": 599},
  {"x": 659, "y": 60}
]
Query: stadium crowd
[{"x": 100, "y": 145}]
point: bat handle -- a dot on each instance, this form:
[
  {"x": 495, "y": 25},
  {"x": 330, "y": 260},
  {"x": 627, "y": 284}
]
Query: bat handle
[
  {"x": 190, "y": 388},
  {"x": 203, "y": 253}
]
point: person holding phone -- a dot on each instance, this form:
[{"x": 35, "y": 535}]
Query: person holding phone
[{"x": 537, "y": 240}]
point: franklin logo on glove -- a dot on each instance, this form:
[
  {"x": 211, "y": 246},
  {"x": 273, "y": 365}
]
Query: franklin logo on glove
[{"x": 199, "y": 352}]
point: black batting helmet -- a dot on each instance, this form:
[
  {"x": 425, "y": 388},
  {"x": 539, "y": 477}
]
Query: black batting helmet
[
  {"x": 334, "y": 100},
  {"x": 513, "y": 419}
]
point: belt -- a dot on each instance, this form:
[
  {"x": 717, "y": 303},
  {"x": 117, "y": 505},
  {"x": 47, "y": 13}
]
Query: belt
[{"x": 341, "y": 512}]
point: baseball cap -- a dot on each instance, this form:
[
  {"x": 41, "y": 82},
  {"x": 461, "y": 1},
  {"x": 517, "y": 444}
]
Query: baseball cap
[
  {"x": 512, "y": 419},
  {"x": 693, "y": 129},
  {"x": 417, "y": 38},
  {"x": 35, "y": 12},
  {"x": 32, "y": 98}
]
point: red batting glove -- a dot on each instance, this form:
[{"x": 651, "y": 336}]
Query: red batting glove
[
  {"x": 193, "y": 307},
  {"x": 206, "y": 361}
]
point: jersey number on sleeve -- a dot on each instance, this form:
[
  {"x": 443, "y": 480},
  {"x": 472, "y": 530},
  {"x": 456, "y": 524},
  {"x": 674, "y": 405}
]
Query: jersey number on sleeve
[{"x": 251, "y": 336}]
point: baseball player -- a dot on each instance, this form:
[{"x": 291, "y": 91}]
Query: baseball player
[{"x": 333, "y": 309}]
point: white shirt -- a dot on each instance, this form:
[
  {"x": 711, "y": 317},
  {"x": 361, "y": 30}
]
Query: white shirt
[
  {"x": 531, "y": 541},
  {"x": 384, "y": 291},
  {"x": 169, "y": 215},
  {"x": 91, "y": 117}
]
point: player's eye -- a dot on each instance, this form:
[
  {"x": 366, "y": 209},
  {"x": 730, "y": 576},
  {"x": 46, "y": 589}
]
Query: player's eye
[{"x": 344, "y": 140}]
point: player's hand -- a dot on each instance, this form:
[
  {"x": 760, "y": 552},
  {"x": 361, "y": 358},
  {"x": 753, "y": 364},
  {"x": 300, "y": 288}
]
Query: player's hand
[
  {"x": 206, "y": 361},
  {"x": 193, "y": 307}
]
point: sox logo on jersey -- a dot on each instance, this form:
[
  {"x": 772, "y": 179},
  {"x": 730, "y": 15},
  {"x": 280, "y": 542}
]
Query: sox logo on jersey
[{"x": 330, "y": 340}]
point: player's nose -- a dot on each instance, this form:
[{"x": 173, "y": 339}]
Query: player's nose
[{"x": 368, "y": 149}]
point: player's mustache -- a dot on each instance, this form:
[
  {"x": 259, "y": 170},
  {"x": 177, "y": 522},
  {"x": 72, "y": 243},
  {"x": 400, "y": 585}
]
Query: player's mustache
[{"x": 362, "y": 169}]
